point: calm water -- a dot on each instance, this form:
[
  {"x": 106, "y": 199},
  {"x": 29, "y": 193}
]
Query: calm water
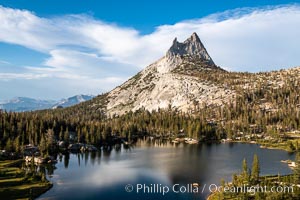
[{"x": 104, "y": 175}]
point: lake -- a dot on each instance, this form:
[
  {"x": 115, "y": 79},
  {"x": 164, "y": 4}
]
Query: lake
[{"x": 151, "y": 168}]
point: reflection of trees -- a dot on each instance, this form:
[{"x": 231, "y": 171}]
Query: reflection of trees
[
  {"x": 41, "y": 170},
  {"x": 66, "y": 160},
  {"x": 107, "y": 151},
  {"x": 50, "y": 169},
  {"x": 118, "y": 148},
  {"x": 60, "y": 157},
  {"x": 99, "y": 156},
  {"x": 78, "y": 158},
  {"x": 93, "y": 155},
  {"x": 86, "y": 158}
]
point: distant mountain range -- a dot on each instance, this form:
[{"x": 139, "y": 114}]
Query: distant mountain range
[
  {"x": 72, "y": 101},
  {"x": 21, "y": 104}
]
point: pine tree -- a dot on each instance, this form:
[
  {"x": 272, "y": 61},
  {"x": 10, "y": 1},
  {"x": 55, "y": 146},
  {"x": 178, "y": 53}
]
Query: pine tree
[
  {"x": 43, "y": 145},
  {"x": 255, "y": 168},
  {"x": 9, "y": 145},
  {"x": 17, "y": 144},
  {"x": 235, "y": 180},
  {"x": 66, "y": 135},
  {"x": 245, "y": 174},
  {"x": 61, "y": 135},
  {"x": 297, "y": 169}
]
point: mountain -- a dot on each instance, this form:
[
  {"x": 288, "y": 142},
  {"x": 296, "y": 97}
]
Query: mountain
[
  {"x": 201, "y": 99},
  {"x": 73, "y": 101},
  {"x": 21, "y": 104},
  {"x": 170, "y": 82}
]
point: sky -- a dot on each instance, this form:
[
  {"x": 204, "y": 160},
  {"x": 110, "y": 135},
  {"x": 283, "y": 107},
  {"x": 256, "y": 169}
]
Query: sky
[{"x": 53, "y": 49}]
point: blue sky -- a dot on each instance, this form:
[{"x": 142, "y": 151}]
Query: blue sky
[
  {"x": 53, "y": 49},
  {"x": 142, "y": 15}
]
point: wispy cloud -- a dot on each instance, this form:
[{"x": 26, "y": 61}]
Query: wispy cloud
[
  {"x": 10, "y": 76},
  {"x": 81, "y": 47},
  {"x": 3, "y": 62}
]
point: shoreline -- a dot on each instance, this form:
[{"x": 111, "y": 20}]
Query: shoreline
[
  {"x": 262, "y": 145},
  {"x": 211, "y": 196},
  {"x": 47, "y": 185},
  {"x": 14, "y": 184},
  {"x": 271, "y": 148}
]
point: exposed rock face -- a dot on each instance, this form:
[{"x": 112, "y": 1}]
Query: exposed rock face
[
  {"x": 72, "y": 101},
  {"x": 192, "y": 47},
  {"x": 161, "y": 86}
]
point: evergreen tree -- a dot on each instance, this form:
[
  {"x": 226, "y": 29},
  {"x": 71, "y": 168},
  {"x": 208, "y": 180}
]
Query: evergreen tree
[
  {"x": 61, "y": 134},
  {"x": 66, "y": 135},
  {"x": 255, "y": 168},
  {"x": 245, "y": 174},
  {"x": 297, "y": 169}
]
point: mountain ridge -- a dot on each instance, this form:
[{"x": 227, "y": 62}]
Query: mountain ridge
[
  {"x": 22, "y": 104},
  {"x": 72, "y": 101},
  {"x": 160, "y": 85},
  {"x": 185, "y": 79},
  {"x": 191, "y": 46}
]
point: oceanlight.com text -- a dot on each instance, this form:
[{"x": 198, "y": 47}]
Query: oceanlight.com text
[{"x": 194, "y": 188}]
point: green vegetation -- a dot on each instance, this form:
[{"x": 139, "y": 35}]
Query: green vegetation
[
  {"x": 266, "y": 109},
  {"x": 249, "y": 185},
  {"x": 17, "y": 183},
  {"x": 255, "y": 169},
  {"x": 42, "y": 128}
]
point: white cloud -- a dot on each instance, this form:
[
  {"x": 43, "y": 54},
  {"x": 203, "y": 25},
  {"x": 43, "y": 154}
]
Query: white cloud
[
  {"x": 9, "y": 76},
  {"x": 88, "y": 64},
  {"x": 82, "y": 48},
  {"x": 3, "y": 62},
  {"x": 53, "y": 87}
]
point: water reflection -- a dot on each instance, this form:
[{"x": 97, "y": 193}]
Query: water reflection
[
  {"x": 104, "y": 174},
  {"x": 32, "y": 169}
]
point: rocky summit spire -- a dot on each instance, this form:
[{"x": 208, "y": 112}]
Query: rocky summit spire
[
  {"x": 192, "y": 47},
  {"x": 173, "y": 80}
]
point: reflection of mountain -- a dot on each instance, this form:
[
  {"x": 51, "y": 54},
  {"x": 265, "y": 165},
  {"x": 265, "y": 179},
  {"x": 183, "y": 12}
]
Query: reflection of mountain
[
  {"x": 183, "y": 163},
  {"x": 21, "y": 104},
  {"x": 98, "y": 174}
]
